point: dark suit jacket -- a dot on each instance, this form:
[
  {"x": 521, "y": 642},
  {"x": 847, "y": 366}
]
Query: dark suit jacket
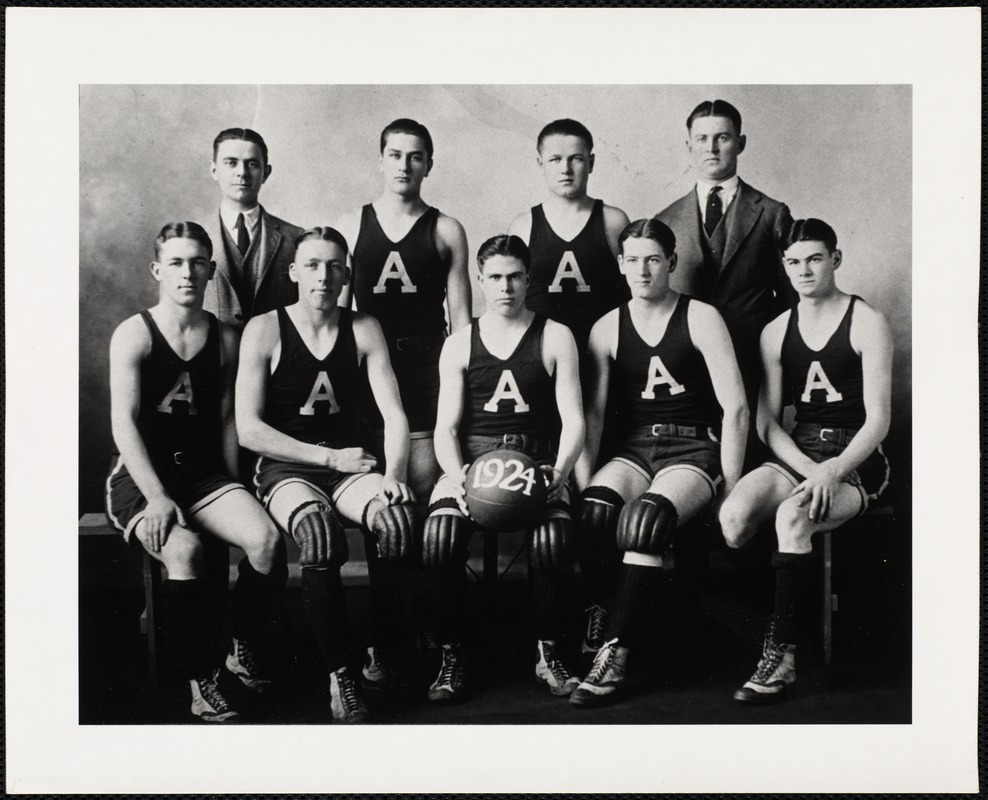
[
  {"x": 751, "y": 288},
  {"x": 272, "y": 288}
]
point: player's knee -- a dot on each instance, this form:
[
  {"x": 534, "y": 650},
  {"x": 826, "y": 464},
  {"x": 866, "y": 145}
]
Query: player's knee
[
  {"x": 736, "y": 523},
  {"x": 599, "y": 512},
  {"x": 392, "y": 528},
  {"x": 183, "y": 554},
  {"x": 445, "y": 535},
  {"x": 319, "y": 535},
  {"x": 552, "y": 545},
  {"x": 793, "y": 526},
  {"x": 262, "y": 550},
  {"x": 647, "y": 524}
]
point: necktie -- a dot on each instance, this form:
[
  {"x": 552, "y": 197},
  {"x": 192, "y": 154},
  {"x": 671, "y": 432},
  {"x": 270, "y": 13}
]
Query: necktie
[
  {"x": 243, "y": 240},
  {"x": 715, "y": 210}
]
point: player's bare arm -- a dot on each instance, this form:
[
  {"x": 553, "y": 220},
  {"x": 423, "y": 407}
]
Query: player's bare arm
[
  {"x": 615, "y": 221},
  {"x": 129, "y": 347},
  {"x": 372, "y": 348},
  {"x": 770, "y": 395},
  {"x": 229, "y": 357},
  {"x": 452, "y": 245},
  {"x": 259, "y": 350},
  {"x": 602, "y": 346},
  {"x": 452, "y": 367},
  {"x": 521, "y": 226},
  {"x": 349, "y": 226},
  {"x": 709, "y": 334},
  {"x": 872, "y": 339},
  {"x": 560, "y": 357}
]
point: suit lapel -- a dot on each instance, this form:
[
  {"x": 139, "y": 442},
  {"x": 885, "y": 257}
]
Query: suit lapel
[
  {"x": 746, "y": 213},
  {"x": 688, "y": 234},
  {"x": 270, "y": 241}
]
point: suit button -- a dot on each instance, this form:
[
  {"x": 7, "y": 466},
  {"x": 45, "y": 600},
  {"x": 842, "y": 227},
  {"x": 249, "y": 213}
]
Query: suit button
[{"x": 238, "y": 316}]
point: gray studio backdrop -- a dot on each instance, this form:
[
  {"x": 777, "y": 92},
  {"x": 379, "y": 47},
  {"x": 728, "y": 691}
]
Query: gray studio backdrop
[{"x": 842, "y": 153}]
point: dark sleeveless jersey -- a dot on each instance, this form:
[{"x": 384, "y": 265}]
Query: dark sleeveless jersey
[
  {"x": 574, "y": 282},
  {"x": 315, "y": 400},
  {"x": 180, "y": 400},
  {"x": 514, "y": 395},
  {"x": 402, "y": 284},
  {"x": 827, "y": 385},
  {"x": 666, "y": 383}
]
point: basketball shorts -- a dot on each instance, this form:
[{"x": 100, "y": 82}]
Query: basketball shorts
[
  {"x": 538, "y": 449},
  {"x": 821, "y": 443},
  {"x": 270, "y": 475},
  {"x": 415, "y": 362},
  {"x": 192, "y": 487},
  {"x": 658, "y": 449}
]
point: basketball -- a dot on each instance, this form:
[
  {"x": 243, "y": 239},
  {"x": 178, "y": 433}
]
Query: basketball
[{"x": 506, "y": 491}]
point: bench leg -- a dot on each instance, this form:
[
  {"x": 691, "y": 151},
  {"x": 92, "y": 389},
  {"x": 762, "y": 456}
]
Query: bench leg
[
  {"x": 827, "y": 607},
  {"x": 152, "y": 591},
  {"x": 490, "y": 574}
]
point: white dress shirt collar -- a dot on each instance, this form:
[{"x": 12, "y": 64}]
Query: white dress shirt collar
[
  {"x": 728, "y": 189},
  {"x": 251, "y": 220}
]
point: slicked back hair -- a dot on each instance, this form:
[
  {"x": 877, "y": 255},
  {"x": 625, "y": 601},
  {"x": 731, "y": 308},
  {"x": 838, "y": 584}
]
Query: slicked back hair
[
  {"x": 566, "y": 127},
  {"x": 325, "y": 234},
  {"x": 411, "y": 128},
  {"x": 240, "y": 134},
  {"x": 652, "y": 229},
  {"x": 809, "y": 230},
  {"x": 715, "y": 108},
  {"x": 504, "y": 245},
  {"x": 183, "y": 230}
]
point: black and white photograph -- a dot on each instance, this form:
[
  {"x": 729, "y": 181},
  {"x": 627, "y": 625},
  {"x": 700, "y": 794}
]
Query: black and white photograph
[{"x": 508, "y": 415}]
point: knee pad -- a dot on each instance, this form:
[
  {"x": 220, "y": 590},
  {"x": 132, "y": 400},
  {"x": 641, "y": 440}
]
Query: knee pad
[
  {"x": 599, "y": 512},
  {"x": 647, "y": 524},
  {"x": 393, "y": 529},
  {"x": 552, "y": 546},
  {"x": 319, "y": 534},
  {"x": 445, "y": 535}
]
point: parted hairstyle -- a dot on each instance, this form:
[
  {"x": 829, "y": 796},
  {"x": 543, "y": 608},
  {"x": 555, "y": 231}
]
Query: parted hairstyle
[
  {"x": 566, "y": 127},
  {"x": 183, "y": 230},
  {"x": 326, "y": 234},
  {"x": 411, "y": 128},
  {"x": 652, "y": 229},
  {"x": 240, "y": 134},
  {"x": 504, "y": 245},
  {"x": 809, "y": 230},
  {"x": 715, "y": 108}
]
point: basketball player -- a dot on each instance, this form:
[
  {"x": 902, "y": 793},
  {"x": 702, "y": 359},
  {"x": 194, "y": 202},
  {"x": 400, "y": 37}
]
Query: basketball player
[
  {"x": 688, "y": 421},
  {"x": 171, "y": 393},
  {"x": 253, "y": 247},
  {"x": 297, "y": 397},
  {"x": 833, "y": 354},
  {"x": 575, "y": 280},
  {"x": 408, "y": 258},
  {"x": 505, "y": 381}
]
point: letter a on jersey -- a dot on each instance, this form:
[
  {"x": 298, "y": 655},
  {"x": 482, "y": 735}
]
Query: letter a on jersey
[
  {"x": 322, "y": 390},
  {"x": 394, "y": 270},
  {"x": 507, "y": 389},
  {"x": 181, "y": 392},
  {"x": 568, "y": 268},
  {"x": 657, "y": 375},
  {"x": 816, "y": 378}
]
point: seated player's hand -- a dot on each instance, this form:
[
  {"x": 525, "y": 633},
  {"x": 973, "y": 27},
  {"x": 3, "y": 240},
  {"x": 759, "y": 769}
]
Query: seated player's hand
[
  {"x": 351, "y": 459},
  {"x": 394, "y": 492},
  {"x": 556, "y": 483},
  {"x": 818, "y": 490},
  {"x": 159, "y": 517},
  {"x": 459, "y": 486}
]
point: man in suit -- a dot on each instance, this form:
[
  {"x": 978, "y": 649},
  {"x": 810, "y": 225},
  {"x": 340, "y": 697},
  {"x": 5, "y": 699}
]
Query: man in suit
[
  {"x": 254, "y": 249},
  {"x": 727, "y": 235}
]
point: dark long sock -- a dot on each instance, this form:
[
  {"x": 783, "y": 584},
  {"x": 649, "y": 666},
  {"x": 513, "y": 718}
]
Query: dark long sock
[
  {"x": 259, "y": 602},
  {"x": 636, "y": 599},
  {"x": 791, "y": 573},
  {"x": 189, "y": 637},
  {"x": 325, "y": 606},
  {"x": 600, "y": 565},
  {"x": 550, "y": 595},
  {"x": 448, "y": 594},
  {"x": 388, "y": 581}
]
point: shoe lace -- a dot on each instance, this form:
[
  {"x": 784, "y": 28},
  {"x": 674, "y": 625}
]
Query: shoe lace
[
  {"x": 451, "y": 659},
  {"x": 246, "y": 657},
  {"x": 595, "y": 624},
  {"x": 348, "y": 690},
  {"x": 211, "y": 691},
  {"x": 601, "y": 662},
  {"x": 768, "y": 663}
]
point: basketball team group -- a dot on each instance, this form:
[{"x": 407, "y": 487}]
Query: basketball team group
[{"x": 308, "y": 381}]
